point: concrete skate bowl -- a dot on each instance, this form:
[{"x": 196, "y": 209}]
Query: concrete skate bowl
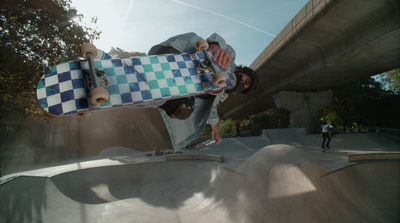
[
  {"x": 279, "y": 183},
  {"x": 180, "y": 191}
]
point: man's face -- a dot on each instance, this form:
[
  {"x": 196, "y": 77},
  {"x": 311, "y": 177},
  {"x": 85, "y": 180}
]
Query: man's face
[{"x": 246, "y": 79}]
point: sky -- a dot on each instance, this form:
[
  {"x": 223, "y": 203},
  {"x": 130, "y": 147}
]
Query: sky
[{"x": 137, "y": 25}]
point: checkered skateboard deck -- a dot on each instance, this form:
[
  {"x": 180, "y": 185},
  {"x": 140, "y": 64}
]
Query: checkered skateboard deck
[{"x": 62, "y": 90}]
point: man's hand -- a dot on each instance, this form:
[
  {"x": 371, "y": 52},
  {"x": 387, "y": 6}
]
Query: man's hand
[
  {"x": 223, "y": 57},
  {"x": 215, "y": 134},
  {"x": 217, "y": 137}
]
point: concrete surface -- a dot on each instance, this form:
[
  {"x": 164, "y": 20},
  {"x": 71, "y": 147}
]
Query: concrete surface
[
  {"x": 35, "y": 142},
  {"x": 262, "y": 179}
]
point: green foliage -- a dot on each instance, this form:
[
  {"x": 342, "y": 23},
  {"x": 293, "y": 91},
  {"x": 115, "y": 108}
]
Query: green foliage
[
  {"x": 390, "y": 80},
  {"x": 35, "y": 35},
  {"x": 206, "y": 131},
  {"x": 273, "y": 118},
  {"x": 227, "y": 126},
  {"x": 394, "y": 79},
  {"x": 363, "y": 103}
]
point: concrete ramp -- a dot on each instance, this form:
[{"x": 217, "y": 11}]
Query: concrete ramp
[
  {"x": 289, "y": 186},
  {"x": 279, "y": 183},
  {"x": 368, "y": 190}
]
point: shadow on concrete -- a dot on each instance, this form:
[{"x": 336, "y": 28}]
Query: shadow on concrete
[
  {"x": 23, "y": 198},
  {"x": 278, "y": 183}
]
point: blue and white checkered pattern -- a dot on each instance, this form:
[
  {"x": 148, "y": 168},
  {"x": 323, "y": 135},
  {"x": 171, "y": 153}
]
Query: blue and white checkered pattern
[{"x": 135, "y": 80}]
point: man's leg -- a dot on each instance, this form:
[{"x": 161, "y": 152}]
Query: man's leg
[{"x": 329, "y": 140}]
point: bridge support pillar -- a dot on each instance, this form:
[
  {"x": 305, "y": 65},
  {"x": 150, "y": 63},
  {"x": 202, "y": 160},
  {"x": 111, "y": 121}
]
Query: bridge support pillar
[{"x": 304, "y": 108}]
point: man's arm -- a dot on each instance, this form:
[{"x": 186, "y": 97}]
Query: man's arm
[{"x": 225, "y": 55}]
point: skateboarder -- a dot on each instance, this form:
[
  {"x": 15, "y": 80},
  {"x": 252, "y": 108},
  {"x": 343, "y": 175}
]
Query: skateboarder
[
  {"x": 327, "y": 129},
  {"x": 186, "y": 118}
]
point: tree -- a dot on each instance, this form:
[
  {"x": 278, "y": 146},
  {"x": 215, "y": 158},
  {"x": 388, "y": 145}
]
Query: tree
[
  {"x": 394, "y": 78},
  {"x": 118, "y": 53},
  {"x": 272, "y": 118},
  {"x": 35, "y": 35},
  {"x": 363, "y": 103}
]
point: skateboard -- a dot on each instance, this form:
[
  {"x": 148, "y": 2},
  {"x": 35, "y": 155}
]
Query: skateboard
[{"x": 88, "y": 84}]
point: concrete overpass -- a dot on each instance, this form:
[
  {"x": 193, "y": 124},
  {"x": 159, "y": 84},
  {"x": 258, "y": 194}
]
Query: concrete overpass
[{"x": 326, "y": 45}]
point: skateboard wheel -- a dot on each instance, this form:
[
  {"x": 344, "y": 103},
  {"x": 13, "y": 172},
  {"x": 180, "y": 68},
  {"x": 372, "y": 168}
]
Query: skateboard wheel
[
  {"x": 202, "y": 44},
  {"x": 88, "y": 48},
  {"x": 99, "y": 96},
  {"x": 219, "y": 79}
]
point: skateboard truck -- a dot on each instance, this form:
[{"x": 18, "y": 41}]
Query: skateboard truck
[
  {"x": 203, "y": 69},
  {"x": 101, "y": 75},
  {"x": 98, "y": 79},
  {"x": 207, "y": 66},
  {"x": 95, "y": 73}
]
